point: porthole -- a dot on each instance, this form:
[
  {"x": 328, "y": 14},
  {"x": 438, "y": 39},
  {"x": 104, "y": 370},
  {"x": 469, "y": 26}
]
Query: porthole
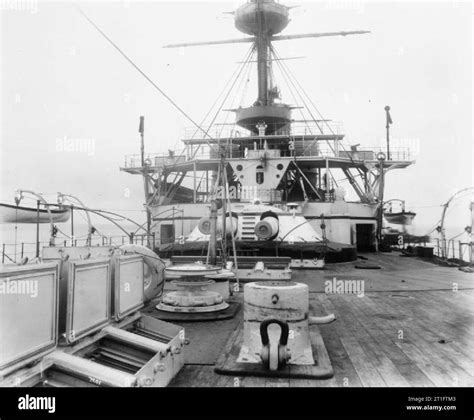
[
  {"x": 239, "y": 167},
  {"x": 279, "y": 166}
]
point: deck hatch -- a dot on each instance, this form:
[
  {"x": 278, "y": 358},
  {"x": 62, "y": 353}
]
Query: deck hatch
[
  {"x": 88, "y": 297},
  {"x": 128, "y": 285},
  {"x": 28, "y": 313}
]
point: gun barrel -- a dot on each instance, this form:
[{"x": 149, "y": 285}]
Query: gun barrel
[{"x": 267, "y": 228}]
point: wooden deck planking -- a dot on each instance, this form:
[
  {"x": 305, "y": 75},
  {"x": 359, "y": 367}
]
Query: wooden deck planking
[
  {"x": 441, "y": 356},
  {"x": 407, "y": 294},
  {"x": 278, "y": 383},
  {"x": 384, "y": 281},
  {"x": 433, "y": 281},
  {"x": 345, "y": 373},
  {"x": 461, "y": 345},
  {"x": 366, "y": 372},
  {"x": 363, "y": 363},
  {"x": 387, "y": 369},
  {"x": 396, "y": 321},
  {"x": 420, "y": 350},
  {"x": 447, "y": 322},
  {"x": 186, "y": 377},
  {"x": 363, "y": 359},
  {"x": 386, "y": 341},
  {"x": 391, "y": 327}
]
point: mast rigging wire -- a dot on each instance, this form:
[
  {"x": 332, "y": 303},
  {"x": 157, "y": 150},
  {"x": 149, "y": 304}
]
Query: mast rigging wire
[
  {"x": 234, "y": 78},
  {"x": 292, "y": 77},
  {"x": 246, "y": 62},
  {"x": 144, "y": 74},
  {"x": 289, "y": 81},
  {"x": 323, "y": 120},
  {"x": 239, "y": 88}
]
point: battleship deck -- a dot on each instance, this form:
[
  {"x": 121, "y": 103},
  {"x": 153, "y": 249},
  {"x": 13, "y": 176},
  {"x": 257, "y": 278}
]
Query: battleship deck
[{"x": 406, "y": 296}]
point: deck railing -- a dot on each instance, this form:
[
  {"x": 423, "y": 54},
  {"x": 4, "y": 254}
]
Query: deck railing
[
  {"x": 302, "y": 128},
  {"x": 13, "y": 253},
  {"x": 306, "y": 147},
  {"x": 135, "y": 160},
  {"x": 459, "y": 250},
  {"x": 396, "y": 153}
]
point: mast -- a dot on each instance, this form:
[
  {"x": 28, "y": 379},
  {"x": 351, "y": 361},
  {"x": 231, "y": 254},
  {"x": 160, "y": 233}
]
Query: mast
[
  {"x": 262, "y": 54},
  {"x": 145, "y": 166},
  {"x": 262, "y": 43},
  {"x": 387, "y": 128},
  {"x": 263, "y": 20}
]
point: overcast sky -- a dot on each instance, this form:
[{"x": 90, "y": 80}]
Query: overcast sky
[{"x": 61, "y": 80}]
